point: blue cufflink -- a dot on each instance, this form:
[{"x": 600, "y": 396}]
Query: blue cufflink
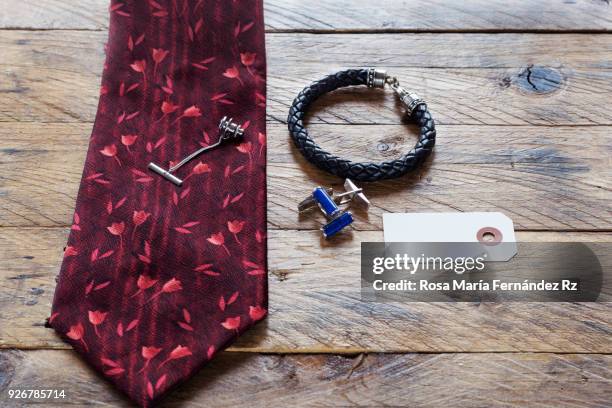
[{"x": 329, "y": 203}]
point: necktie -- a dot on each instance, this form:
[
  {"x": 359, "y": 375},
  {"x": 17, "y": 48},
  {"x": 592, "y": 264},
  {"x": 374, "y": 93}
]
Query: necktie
[{"x": 156, "y": 278}]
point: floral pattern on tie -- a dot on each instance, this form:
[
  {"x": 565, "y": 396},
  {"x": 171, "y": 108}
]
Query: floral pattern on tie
[{"x": 156, "y": 278}]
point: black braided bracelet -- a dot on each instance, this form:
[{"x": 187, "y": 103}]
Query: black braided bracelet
[{"x": 373, "y": 78}]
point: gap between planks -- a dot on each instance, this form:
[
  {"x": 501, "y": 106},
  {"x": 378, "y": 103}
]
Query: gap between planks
[{"x": 341, "y": 31}]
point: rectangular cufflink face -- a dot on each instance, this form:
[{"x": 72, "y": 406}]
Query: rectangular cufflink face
[
  {"x": 337, "y": 224},
  {"x": 165, "y": 174},
  {"x": 325, "y": 201},
  {"x": 310, "y": 202}
]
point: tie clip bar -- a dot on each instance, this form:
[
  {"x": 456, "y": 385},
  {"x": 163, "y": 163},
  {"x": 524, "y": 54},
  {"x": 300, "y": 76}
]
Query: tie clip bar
[{"x": 228, "y": 131}]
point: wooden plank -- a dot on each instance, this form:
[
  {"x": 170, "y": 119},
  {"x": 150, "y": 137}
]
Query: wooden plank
[
  {"x": 542, "y": 177},
  {"x": 415, "y": 380},
  {"x": 437, "y": 50},
  {"x": 334, "y": 15},
  {"x": 545, "y": 80},
  {"x": 471, "y": 15},
  {"x": 315, "y": 304},
  {"x": 55, "y": 14}
]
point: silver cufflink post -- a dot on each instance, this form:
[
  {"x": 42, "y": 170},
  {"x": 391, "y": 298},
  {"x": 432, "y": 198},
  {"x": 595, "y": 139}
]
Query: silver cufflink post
[
  {"x": 228, "y": 131},
  {"x": 353, "y": 193}
]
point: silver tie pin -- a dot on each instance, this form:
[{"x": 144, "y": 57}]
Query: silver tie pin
[{"x": 228, "y": 131}]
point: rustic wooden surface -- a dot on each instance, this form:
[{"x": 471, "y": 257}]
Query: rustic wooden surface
[
  {"x": 330, "y": 317},
  {"x": 520, "y": 90},
  {"x": 345, "y": 15},
  {"x": 277, "y": 380}
]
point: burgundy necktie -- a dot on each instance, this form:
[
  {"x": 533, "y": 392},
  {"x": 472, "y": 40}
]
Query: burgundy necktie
[{"x": 156, "y": 278}]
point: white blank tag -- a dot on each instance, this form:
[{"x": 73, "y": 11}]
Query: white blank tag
[{"x": 486, "y": 227}]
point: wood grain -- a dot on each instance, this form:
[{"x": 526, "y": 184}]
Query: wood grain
[
  {"x": 415, "y": 380},
  {"x": 315, "y": 304},
  {"x": 524, "y": 128},
  {"x": 343, "y": 15},
  {"x": 563, "y": 171},
  {"x": 479, "y": 83},
  {"x": 542, "y": 177}
]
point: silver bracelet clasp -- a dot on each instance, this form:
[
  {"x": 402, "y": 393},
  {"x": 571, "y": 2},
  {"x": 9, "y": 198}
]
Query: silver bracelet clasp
[{"x": 378, "y": 78}]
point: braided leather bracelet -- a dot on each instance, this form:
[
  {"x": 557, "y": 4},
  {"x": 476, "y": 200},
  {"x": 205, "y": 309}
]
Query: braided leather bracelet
[{"x": 373, "y": 78}]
